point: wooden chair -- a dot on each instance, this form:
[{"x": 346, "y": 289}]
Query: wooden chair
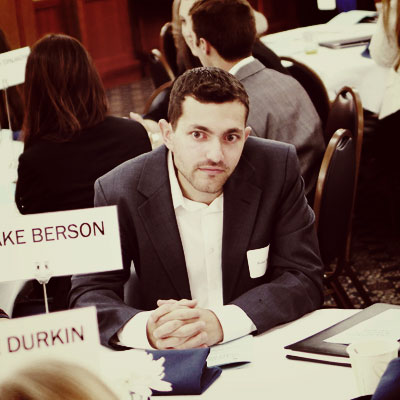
[
  {"x": 160, "y": 71},
  {"x": 347, "y": 113},
  {"x": 312, "y": 84},
  {"x": 167, "y": 47},
  {"x": 333, "y": 208},
  {"x": 157, "y": 97}
]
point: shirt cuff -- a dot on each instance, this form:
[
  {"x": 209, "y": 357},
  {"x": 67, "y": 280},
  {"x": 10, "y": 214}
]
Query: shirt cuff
[
  {"x": 134, "y": 332},
  {"x": 234, "y": 321}
]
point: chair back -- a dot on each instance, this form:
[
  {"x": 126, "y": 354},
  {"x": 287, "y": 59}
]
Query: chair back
[
  {"x": 346, "y": 112},
  {"x": 160, "y": 71},
  {"x": 333, "y": 203},
  {"x": 159, "y": 100},
  {"x": 167, "y": 47},
  {"x": 312, "y": 84}
]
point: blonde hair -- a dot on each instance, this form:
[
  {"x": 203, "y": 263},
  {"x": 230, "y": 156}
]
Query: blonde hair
[{"x": 54, "y": 380}]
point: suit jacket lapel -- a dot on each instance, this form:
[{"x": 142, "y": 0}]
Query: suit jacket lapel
[
  {"x": 159, "y": 219},
  {"x": 241, "y": 200}
]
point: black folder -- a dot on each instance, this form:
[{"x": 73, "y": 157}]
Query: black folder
[{"x": 315, "y": 349}]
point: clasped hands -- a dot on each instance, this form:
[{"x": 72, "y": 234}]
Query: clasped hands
[{"x": 181, "y": 325}]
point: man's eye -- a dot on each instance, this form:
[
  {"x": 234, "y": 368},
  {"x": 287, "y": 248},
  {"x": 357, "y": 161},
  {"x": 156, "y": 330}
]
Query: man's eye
[
  {"x": 197, "y": 135},
  {"x": 231, "y": 138}
]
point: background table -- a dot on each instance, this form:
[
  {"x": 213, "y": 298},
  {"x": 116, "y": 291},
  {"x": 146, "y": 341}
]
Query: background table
[{"x": 336, "y": 67}]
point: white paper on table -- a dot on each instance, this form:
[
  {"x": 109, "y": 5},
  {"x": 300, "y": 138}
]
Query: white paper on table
[
  {"x": 385, "y": 325},
  {"x": 233, "y": 352},
  {"x": 326, "y": 4},
  {"x": 350, "y": 17}
]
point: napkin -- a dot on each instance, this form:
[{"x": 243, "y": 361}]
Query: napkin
[{"x": 186, "y": 370}]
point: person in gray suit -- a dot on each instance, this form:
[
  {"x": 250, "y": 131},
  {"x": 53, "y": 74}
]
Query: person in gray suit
[
  {"x": 221, "y": 33},
  {"x": 216, "y": 224}
]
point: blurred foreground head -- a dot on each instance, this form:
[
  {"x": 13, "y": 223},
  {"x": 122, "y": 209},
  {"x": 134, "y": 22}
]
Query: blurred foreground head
[{"x": 54, "y": 380}]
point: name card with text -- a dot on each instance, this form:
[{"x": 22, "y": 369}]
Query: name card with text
[
  {"x": 70, "y": 335},
  {"x": 12, "y": 67},
  {"x": 60, "y": 243}
]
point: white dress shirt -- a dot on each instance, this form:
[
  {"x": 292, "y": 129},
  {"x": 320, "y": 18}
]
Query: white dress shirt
[
  {"x": 241, "y": 64},
  {"x": 200, "y": 228}
]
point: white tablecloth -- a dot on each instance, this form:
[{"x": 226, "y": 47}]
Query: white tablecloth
[
  {"x": 336, "y": 67},
  {"x": 272, "y": 376}
]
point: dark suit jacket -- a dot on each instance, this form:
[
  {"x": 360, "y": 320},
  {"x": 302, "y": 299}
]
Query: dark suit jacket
[
  {"x": 264, "y": 204},
  {"x": 60, "y": 176}
]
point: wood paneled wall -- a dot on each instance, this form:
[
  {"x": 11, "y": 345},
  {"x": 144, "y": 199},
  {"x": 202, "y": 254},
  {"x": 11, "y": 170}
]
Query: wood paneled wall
[{"x": 117, "y": 33}]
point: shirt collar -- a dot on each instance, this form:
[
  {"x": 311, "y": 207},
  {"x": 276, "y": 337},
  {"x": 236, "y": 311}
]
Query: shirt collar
[
  {"x": 178, "y": 200},
  {"x": 241, "y": 64}
]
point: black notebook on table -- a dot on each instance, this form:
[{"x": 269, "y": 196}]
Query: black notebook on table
[{"x": 314, "y": 348}]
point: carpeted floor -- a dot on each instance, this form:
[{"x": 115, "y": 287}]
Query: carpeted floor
[{"x": 376, "y": 231}]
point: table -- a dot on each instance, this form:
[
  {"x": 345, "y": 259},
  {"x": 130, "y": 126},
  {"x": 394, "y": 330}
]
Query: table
[
  {"x": 9, "y": 152},
  {"x": 336, "y": 67},
  {"x": 272, "y": 376}
]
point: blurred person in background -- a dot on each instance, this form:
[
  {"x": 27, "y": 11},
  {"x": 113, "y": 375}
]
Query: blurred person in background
[
  {"x": 385, "y": 51},
  {"x": 186, "y": 60},
  {"x": 69, "y": 140},
  {"x": 221, "y": 33}
]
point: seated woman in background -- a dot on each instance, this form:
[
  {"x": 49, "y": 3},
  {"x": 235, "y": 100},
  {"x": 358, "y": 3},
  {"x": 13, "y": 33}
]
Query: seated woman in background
[
  {"x": 385, "y": 51},
  {"x": 54, "y": 380},
  {"x": 69, "y": 139},
  {"x": 15, "y": 106}
]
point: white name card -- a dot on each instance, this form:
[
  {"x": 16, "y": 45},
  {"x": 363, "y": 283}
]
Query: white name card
[
  {"x": 326, "y": 4},
  {"x": 12, "y": 67},
  {"x": 71, "y": 335},
  {"x": 60, "y": 243}
]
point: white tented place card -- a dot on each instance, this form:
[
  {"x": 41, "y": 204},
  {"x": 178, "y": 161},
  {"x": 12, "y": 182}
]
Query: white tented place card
[
  {"x": 72, "y": 335},
  {"x": 60, "y": 243},
  {"x": 257, "y": 260},
  {"x": 12, "y": 67},
  {"x": 235, "y": 352}
]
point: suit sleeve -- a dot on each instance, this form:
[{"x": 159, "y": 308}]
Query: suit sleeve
[
  {"x": 105, "y": 290},
  {"x": 293, "y": 282}
]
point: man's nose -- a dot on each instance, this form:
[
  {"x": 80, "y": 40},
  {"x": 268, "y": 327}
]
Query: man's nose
[{"x": 215, "y": 151}]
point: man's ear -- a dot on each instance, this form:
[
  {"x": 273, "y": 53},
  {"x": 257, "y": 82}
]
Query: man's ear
[
  {"x": 205, "y": 46},
  {"x": 166, "y": 132},
  {"x": 247, "y": 132}
]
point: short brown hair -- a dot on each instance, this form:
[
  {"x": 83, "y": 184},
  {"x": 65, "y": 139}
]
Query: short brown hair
[
  {"x": 206, "y": 85},
  {"x": 228, "y": 25},
  {"x": 63, "y": 91}
]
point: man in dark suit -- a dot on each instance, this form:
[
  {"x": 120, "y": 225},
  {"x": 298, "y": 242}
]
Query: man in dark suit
[
  {"x": 217, "y": 226},
  {"x": 221, "y": 33}
]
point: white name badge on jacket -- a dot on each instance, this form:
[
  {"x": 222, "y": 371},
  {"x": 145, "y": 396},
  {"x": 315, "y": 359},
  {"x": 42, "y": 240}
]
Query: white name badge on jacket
[{"x": 257, "y": 260}]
